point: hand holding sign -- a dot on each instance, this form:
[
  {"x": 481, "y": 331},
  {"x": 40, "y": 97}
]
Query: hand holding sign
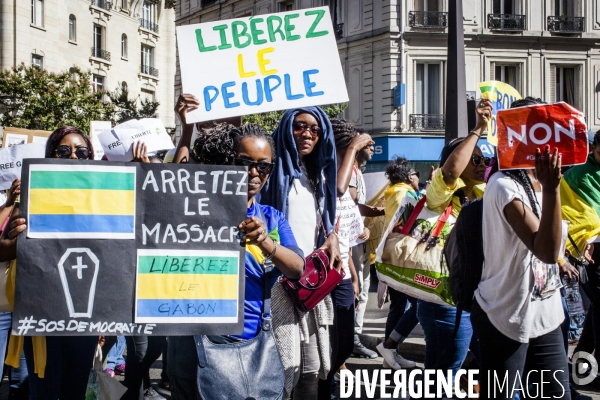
[
  {"x": 548, "y": 168},
  {"x": 501, "y": 95},
  {"x": 522, "y": 130}
]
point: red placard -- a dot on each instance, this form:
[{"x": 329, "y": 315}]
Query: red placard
[{"x": 523, "y": 130}]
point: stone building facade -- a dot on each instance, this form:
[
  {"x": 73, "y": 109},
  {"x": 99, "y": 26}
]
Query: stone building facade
[
  {"x": 122, "y": 42},
  {"x": 546, "y": 49}
]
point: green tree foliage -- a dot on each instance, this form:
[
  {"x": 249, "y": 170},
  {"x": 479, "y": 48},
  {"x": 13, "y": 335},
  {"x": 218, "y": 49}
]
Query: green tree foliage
[
  {"x": 270, "y": 120},
  {"x": 33, "y": 98},
  {"x": 125, "y": 108}
]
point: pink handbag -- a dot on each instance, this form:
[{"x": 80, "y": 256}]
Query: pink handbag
[{"x": 316, "y": 282}]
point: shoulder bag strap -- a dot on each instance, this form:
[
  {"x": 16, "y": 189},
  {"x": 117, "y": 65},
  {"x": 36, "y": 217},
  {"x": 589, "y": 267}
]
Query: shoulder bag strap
[
  {"x": 413, "y": 216},
  {"x": 442, "y": 221},
  {"x": 267, "y": 271},
  {"x": 575, "y": 247}
]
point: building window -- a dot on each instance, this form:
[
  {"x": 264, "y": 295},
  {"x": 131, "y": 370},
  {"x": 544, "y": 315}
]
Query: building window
[
  {"x": 72, "y": 28},
  {"x": 564, "y": 8},
  {"x": 124, "y": 45},
  {"x": 149, "y": 12},
  {"x": 566, "y": 85},
  {"x": 510, "y": 74},
  {"x": 286, "y": 6},
  {"x": 427, "y": 5},
  {"x": 124, "y": 86},
  {"x": 37, "y": 12},
  {"x": 97, "y": 82},
  {"x": 123, "y": 4},
  {"x": 428, "y": 88},
  {"x": 506, "y": 7},
  {"x": 147, "y": 95},
  {"x": 147, "y": 62},
  {"x": 97, "y": 38},
  {"x": 37, "y": 60}
]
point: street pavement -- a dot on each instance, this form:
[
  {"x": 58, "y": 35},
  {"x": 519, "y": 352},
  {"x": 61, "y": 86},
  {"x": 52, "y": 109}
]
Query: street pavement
[{"x": 373, "y": 332}]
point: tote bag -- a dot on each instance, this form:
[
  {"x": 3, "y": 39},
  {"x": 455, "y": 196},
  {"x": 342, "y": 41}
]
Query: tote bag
[{"x": 410, "y": 257}]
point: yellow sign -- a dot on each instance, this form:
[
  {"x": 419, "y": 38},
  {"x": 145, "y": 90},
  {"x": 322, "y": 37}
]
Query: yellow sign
[{"x": 502, "y": 95}]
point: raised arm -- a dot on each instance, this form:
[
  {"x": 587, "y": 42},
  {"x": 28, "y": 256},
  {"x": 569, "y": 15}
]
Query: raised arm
[
  {"x": 542, "y": 237},
  {"x": 185, "y": 103},
  {"x": 461, "y": 156},
  {"x": 345, "y": 169}
]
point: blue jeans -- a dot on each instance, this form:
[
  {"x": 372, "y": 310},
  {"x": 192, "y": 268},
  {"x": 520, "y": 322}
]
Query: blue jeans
[
  {"x": 400, "y": 319},
  {"x": 115, "y": 355},
  {"x": 17, "y": 376},
  {"x": 73, "y": 355},
  {"x": 442, "y": 350}
]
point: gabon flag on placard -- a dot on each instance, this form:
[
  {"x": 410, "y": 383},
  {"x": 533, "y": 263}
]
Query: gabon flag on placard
[
  {"x": 522, "y": 130},
  {"x": 81, "y": 202}
]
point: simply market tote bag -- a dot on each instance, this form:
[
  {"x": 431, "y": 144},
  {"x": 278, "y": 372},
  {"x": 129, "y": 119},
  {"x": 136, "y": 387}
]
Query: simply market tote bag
[{"x": 410, "y": 257}]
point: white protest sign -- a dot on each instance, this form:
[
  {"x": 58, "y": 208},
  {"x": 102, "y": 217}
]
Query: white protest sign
[
  {"x": 96, "y": 128},
  {"x": 261, "y": 63},
  {"x": 11, "y": 159},
  {"x": 150, "y": 131},
  {"x": 112, "y": 144},
  {"x": 117, "y": 142}
]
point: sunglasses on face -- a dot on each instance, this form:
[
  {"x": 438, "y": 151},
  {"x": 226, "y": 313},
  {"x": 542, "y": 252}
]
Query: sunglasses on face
[
  {"x": 262, "y": 167},
  {"x": 301, "y": 127},
  {"x": 64, "y": 151},
  {"x": 476, "y": 160}
]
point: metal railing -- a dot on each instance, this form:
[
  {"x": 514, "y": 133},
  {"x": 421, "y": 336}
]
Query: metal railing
[
  {"x": 507, "y": 22},
  {"x": 151, "y": 26},
  {"x": 148, "y": 70},
  {"x": 566, "y": 24},
  {"x": 428, "y": 19},
  {"x": 100, "y": 53},
  {"x": 101, "y": 4},
  {"x": 427, "y": 122}
]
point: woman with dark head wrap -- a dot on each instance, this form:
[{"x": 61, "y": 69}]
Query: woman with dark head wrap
[{"x": 303, "y": 188}]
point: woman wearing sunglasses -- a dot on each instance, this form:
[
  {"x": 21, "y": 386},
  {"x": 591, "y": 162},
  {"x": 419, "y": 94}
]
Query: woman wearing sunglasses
[
  {"x": 59, "y": 366},
  {"x": 267, "y": 236},
  {"x": 460, "y": 178},
  {"x": 303, "y": 187}
]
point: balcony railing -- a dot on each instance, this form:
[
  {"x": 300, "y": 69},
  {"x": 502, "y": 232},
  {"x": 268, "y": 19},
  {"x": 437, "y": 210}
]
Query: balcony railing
[
  {"x": 148, "y": 70},
  {"x": 507, "y": 22},
  {"x": 427, "y": 122},
  {"x": 100, "y": 53},
  {"x": 151, "y": 26},
  {"x": 101, "y": 4},
  {"x": 566, "y": 24},
  {"x": 428, "y": 19}
]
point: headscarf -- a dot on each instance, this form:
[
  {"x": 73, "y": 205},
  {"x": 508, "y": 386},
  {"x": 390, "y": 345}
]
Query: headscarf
[{"x": 287, "y": 165}]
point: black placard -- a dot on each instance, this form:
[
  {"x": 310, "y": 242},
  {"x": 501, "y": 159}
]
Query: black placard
[{"x": 185, "y": 239}]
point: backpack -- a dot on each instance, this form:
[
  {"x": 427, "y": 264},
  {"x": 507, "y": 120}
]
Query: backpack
[{"x": 464, "y": 255}]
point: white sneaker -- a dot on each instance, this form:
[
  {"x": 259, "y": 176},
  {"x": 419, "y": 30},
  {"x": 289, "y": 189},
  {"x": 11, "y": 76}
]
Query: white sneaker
[
  {"x": 403, "y": 362},
  {"x": 388, "y": 357},
  {"x": 388, "y": 366}
]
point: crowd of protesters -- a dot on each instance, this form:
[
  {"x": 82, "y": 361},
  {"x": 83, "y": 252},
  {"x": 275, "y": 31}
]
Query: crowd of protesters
[{"x": 304, "y": 180}]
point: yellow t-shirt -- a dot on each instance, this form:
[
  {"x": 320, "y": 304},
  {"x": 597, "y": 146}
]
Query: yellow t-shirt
[{"x": 439, "y": 194}]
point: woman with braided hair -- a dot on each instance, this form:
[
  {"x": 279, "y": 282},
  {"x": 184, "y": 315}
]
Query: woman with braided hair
[
  {"x": 267, "y": 236},
  {"x": 517, "y": 310}
]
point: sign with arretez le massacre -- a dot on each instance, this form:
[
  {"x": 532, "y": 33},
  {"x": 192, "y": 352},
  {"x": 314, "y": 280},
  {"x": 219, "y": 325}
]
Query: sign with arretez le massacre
[{"x": 130, "y": 249}]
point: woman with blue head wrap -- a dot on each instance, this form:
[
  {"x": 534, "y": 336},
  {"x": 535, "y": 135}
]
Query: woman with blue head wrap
[{"x": 303, "y": 187}]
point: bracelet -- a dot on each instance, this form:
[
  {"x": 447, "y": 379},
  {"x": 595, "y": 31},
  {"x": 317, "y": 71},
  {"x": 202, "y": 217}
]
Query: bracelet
[
  {"x": 270, "y": 256},
  {"x": 475, "y": 133}
]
